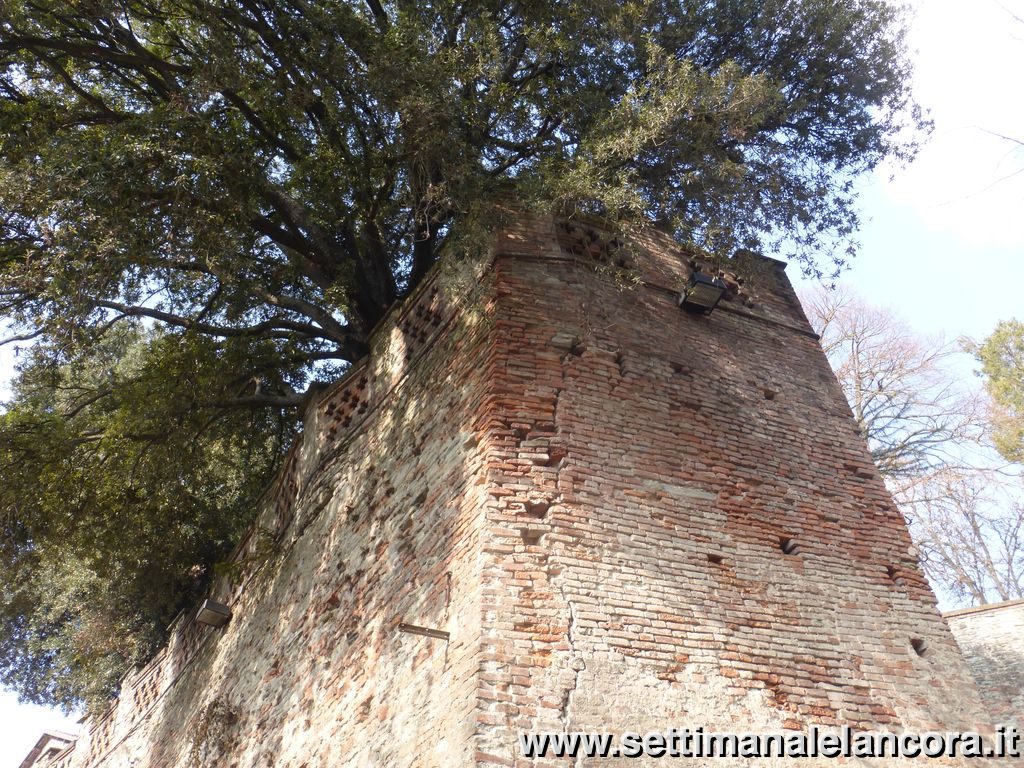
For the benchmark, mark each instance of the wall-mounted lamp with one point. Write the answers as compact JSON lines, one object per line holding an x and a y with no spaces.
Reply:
{"x":213,"y":614}
{"x":702,"y":294}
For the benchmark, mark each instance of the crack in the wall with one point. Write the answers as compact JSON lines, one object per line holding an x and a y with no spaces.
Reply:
{"x":447,"y":611}
{"x":577,"y":663}
{"x":578,"y":667}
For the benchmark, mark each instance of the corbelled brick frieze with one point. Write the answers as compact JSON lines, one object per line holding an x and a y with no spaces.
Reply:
{"x":548,"y":500}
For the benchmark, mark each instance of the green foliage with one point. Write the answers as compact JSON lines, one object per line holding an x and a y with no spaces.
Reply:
{"x":1002,"y":363}
{"x":263,"y":179}
{"x":122,"y":483}
{"x":289,"y":169}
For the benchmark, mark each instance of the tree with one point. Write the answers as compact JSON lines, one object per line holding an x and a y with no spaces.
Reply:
{"x":969,"y":526}
{"x":905,"y":403}
{"x":107,"y":521}
{"x":1002,"y":364}
{"x":286,"y":170}
{"x":261,"y":180}
{"x":965,"y":515}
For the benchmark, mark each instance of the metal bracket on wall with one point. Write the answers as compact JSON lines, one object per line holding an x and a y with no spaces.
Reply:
{"x":412,"y":629}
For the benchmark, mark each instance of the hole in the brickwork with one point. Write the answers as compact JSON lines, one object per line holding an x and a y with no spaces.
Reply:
{"x":789,"y":546}
{"x":537,"y":508}
{"x":894,"y":575}
{"x":859,"y":470}
{"x":715,"y":559}
{"x":620,"y":360}
{"x":555,"y":456}
{"x":919,"y":645}
{"x":531,"y":538}
{"x":770,"y":394}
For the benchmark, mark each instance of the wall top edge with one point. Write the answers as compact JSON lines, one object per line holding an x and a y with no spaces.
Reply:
{"x":988,"y":607}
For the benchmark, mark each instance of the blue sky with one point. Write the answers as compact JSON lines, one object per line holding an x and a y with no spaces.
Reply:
{"x":942,"y":242}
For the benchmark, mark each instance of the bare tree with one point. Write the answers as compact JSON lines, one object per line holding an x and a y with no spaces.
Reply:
{"x":926,"y":435}
{"x":907,"y":406}
{"x":971,"y":534}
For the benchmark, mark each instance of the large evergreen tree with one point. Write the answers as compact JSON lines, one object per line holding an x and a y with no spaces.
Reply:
{"x":122,"y":484}
{"x":257,"y":181}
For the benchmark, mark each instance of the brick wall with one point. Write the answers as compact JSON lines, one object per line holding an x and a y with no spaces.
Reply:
{"x":626,"y":517}
{"x":992,"y":640}
{"x":374,"y":522}
{"x":649,"y":468}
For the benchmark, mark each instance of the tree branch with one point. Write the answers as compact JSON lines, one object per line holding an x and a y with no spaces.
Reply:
{"x":277,"y":327}
{"x":379,"y":14}
{"x":274,"y":401}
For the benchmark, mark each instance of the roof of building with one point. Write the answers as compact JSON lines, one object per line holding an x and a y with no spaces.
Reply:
{"x":46,"y":741}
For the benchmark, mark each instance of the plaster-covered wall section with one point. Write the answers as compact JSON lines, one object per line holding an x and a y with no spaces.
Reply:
{"x":992,"y":640}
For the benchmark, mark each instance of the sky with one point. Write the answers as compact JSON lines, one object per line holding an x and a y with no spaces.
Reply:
{"x":942,"y":241}
{"x":21,"y":725}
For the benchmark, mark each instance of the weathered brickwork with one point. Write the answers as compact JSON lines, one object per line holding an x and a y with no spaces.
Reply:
{"x":992,"y":640}
{"x":649,"y":470}
{"x":375,"y":521}
{"x":626,"y":516}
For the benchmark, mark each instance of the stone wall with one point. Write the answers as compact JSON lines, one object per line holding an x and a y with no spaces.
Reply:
{"x":624,"y":516}
{"x":992,"y":640}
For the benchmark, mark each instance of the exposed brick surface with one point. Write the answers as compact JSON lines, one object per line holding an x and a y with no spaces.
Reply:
{"x":639,"y":579}
{"x":992,"y":640}
{"x":627,"y":517}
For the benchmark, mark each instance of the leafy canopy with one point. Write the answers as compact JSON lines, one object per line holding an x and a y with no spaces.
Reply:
{"x":287,"y":169}
{"x":119,"y":492}
{"x":257,"y":181}
{"x":1002,"y":363}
